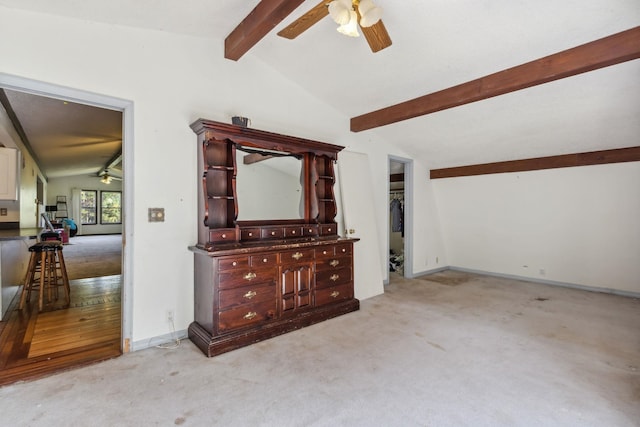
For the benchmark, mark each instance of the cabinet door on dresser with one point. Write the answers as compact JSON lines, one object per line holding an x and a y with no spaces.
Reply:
{"x":296,"y":281}
{"x":246,"y":291}
{"x":334,"y":273}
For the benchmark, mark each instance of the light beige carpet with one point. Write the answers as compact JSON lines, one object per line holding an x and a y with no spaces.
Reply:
{"x":93,"y":256}
{"x":486,"y":352}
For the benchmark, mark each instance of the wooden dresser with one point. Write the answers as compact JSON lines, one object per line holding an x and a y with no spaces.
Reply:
{"x":255,"y":279}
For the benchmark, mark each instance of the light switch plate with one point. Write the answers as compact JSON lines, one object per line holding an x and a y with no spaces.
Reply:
{"x":156,"y":214}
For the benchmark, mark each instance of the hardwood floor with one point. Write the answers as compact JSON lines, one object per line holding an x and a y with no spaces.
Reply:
{"x":35,"y":344}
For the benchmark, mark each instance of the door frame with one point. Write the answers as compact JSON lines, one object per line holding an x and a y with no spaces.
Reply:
{"x":79,"y":96}
{"x":408,"y":215}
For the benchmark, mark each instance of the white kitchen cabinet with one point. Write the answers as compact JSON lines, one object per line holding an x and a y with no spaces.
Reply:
{"x":9,"y":178}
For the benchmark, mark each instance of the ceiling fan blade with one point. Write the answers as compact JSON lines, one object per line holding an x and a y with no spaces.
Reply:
{"x":305,"y":22}
{"x":377,"y":36}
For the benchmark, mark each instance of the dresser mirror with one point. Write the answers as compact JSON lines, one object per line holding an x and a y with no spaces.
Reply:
{"x":269,"y":185}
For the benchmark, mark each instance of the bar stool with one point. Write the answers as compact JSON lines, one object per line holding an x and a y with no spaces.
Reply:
{"x":46,"y":271}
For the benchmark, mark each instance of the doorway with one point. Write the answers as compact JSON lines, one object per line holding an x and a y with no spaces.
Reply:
{"x":66,"y":358}
{"x":399,"y":218}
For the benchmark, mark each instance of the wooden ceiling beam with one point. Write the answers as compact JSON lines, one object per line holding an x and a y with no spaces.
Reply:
{"x":262,"y":19}
{"x":603,"y":157}
{"x":611,"y":50}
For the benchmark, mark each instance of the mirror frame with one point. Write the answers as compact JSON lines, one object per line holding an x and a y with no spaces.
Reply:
{"x":218,"y":205}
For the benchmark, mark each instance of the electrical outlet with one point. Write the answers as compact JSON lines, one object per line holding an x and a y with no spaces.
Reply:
{"x":3,"y":212}
{"x":169,"y":315}
{"x":542,"y":272}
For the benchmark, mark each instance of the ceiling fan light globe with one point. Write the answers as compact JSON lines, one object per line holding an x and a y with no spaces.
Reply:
{"x":340,"y":12}
{"x":351,"y":28}
{"x":369,"y":13}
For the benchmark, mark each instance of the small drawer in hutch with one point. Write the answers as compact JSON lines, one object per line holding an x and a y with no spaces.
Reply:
{"x":293,"y":231}
{"x":310,"y":230}
{"x":222,"y":235}
{"x":250,"y":233}
{"x":334,"y":294}
{"x":272,"y":233}
{"x":328,"y":229}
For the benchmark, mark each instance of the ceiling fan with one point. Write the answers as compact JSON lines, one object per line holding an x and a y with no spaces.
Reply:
{"x":349,"y":14}
{"x":105,"y":178}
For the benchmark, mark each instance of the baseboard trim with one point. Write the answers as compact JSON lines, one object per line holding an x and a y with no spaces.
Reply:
{"x":549,"y":282}
{"x":427,"y":272}
{"x":159,"y":340}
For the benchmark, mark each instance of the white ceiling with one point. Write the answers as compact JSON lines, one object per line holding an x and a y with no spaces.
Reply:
{"x":436,"y":44}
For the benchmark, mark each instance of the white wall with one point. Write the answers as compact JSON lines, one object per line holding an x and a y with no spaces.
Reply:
{"x":576,"y":225}
{"x":172,"y":80}
{"x":63,"y":187}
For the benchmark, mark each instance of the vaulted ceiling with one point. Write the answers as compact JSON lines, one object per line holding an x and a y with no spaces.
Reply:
{"x":436,"y":44}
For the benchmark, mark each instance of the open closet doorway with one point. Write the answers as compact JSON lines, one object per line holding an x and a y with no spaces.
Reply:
{"x":400,"y":224}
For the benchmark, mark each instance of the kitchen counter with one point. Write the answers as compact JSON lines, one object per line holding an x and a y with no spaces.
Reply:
{"x":20,"y":234}
{"x":14,"y":258}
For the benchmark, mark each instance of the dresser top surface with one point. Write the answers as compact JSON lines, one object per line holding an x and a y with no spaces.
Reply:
{"x":247,"y":248}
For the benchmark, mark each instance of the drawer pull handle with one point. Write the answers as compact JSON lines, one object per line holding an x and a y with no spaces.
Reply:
{"x":250,"y":294}
{"x":224,"y":236}
{"x":234,"y":263}
{"x":265,"y":260}
{"x":250,"y":315}
{"x":334,"y":262}
{"x":334,"y":277}
{"x":250,"y":276}
{"x":293,"y":232}
{"x":250,"y":234}
{"x":297,"y":256}
{"x":273,"y":233}
{"x":335,"y":294}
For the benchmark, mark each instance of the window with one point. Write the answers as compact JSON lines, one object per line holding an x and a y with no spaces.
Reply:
{"x":88,"y":207}
{"x":111,"y":207}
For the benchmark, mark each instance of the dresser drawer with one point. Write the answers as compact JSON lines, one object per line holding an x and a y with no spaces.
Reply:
{"x":246,"y":295}
{"x":334,"y":250}
{"x":332,"y":263}
{"x":265,"y":260}
{"x":333,"y":277}
{"x":246,"y":277}
{"x":334,"y":294}
{"x":245,"y":315}
{"x":301,"y":255}
{"x":225,"y":264}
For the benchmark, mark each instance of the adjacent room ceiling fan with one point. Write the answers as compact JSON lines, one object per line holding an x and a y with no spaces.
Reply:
{"x":348,"y":14}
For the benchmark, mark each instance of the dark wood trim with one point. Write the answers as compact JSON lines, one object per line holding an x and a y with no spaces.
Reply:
{"x":611,"y":50}
{"x":619,"y":155}
{"x":262,"y":19}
